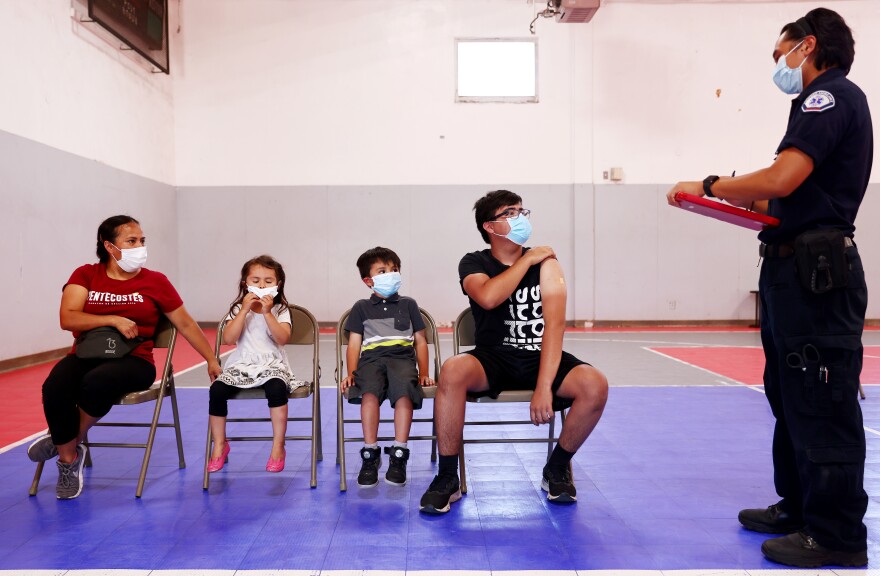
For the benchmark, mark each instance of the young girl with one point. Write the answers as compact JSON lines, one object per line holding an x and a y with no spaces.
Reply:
{"x":258,"y":323}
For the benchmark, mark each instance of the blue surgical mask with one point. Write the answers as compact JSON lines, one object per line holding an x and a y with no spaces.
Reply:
{"x":789,"y":80}
{"x":520,"y":230}
{"x":386,"y":284}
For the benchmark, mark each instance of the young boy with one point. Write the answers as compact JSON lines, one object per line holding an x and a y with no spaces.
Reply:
{"x":386,"y":341}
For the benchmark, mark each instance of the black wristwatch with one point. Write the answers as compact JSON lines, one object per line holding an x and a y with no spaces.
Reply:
{"x":707,"y":185}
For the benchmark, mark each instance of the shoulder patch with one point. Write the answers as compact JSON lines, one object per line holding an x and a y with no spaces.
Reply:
{"x":818,"y":102}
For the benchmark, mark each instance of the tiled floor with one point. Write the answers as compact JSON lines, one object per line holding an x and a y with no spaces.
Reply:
{"x":659,"y":485}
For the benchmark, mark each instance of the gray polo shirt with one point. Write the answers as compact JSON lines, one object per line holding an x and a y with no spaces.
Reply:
{"x":387,"y":326}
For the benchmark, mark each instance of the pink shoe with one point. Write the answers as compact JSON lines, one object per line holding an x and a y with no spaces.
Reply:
{"x":274,"y":465}
{"x":216,"y":464}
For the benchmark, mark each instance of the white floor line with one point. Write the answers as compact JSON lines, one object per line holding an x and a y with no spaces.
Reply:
{"x":697,"y":367}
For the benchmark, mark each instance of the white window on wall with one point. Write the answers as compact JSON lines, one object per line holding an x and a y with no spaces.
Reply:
{"x":496,"y":70}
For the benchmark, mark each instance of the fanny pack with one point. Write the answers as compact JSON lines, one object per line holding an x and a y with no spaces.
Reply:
{"x":821,"y":261}
{"x":105,"y":343}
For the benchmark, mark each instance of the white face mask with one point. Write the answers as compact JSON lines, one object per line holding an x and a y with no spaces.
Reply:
{"x":133,"y":259}
{"x":260,"y":292}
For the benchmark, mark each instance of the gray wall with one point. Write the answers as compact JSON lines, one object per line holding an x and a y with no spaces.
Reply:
{"x":626,"y":254}
{"x":52,"y":203}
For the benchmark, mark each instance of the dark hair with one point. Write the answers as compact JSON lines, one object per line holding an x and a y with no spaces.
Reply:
{"x":487,"y":207}
{"x":108,"y":230}
{"x":373,"y":255}
{"x":834,"y":40}
{"x":265,"y":261}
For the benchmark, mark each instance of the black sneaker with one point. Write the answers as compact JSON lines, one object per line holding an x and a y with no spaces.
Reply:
{"x":371,"y":462}
{"x":558,"y":485}
{"x":799,"y":549}
{"x":396,"y":473}
{"x":443,"y":491}
{"x":770,"y":520}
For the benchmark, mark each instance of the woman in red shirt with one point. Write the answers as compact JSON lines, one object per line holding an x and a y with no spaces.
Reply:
{"x":117,"y":292}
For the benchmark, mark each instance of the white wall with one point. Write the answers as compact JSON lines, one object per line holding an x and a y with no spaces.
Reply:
{"x":359,"y":93}
{"x":84,"y":134}
{"x":64,"y":87}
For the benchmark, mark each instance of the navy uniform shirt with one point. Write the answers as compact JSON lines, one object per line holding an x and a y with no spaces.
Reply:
{"x":829,"y":122}
{"x":387,"y":325}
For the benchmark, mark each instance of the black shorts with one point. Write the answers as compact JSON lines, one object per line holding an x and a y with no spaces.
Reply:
{"x":509,"y":368}
{"x":391,"y":378}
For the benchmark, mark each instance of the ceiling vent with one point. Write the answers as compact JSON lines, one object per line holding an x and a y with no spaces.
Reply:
{"x":576,"y":11}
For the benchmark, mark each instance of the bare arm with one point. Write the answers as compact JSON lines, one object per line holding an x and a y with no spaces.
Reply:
{"x":490,"y":293}
{"x":234,"y":327}
{"x":280,"y":331}
{"x":73,"y":319}
{"x":194,"y":335}
{"x":553,"y":296}
{"x":352,"y":355}
{"x":778,"y":180}
{"x":421,"y":345}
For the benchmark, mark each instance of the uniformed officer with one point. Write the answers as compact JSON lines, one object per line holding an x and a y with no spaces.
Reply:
{"x":813,"y":297}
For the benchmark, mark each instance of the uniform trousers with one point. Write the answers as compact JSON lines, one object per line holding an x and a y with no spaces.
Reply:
{"x":813,"y":350}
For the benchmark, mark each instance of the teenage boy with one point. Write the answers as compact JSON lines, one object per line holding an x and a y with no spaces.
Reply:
{"x":517,"y":296}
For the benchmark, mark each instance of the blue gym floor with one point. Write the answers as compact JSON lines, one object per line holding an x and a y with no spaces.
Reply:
{"x":678,"y":452}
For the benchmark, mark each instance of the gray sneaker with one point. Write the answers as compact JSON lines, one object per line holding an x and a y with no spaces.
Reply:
{"x":42,"y":449}
{"x":70,"y":481}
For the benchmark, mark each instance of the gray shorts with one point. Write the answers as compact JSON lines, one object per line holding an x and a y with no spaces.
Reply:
{"x":390,"y":378}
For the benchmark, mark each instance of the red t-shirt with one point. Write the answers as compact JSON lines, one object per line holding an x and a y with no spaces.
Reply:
{"x":140,"y":299}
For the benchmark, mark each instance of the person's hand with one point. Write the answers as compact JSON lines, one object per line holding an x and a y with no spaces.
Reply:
{"x":538,"y":254}
{"x":347,"y":382}
{"x":541,"y":407}
{"x":126,"y":327}
{"x":425,"y":381}
{"x":693,"y":188}
{"x":214,"y":369}
{"x":250,"y":302}
{"x":267,"y":302}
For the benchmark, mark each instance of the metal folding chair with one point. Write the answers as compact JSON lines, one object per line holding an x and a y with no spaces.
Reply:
{"x":304,"y":332}
{"x":164,"y":337}
{"x":463,"y":334}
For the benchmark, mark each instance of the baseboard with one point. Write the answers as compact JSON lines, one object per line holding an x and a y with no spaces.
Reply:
{"x":31,"y":359}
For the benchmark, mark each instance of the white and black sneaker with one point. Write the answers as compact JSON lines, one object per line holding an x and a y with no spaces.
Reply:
{"x":443,"y":491}
{"x":558,"y":485}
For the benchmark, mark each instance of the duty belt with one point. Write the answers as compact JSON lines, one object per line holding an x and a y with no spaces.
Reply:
{"x":786,"y":249}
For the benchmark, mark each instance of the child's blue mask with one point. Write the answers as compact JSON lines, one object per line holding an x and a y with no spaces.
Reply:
{"x":386,"y":284}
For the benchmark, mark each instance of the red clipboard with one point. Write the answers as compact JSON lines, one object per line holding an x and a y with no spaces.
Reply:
{"x":725,"y":212}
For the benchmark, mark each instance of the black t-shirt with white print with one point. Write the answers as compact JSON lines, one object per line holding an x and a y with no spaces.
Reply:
{"x":519,"y":321}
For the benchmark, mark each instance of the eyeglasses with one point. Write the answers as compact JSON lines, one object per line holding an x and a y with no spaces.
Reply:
{"x":511,"y":213}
